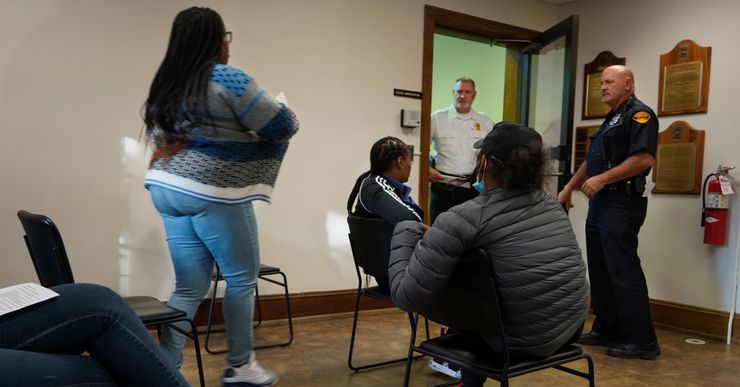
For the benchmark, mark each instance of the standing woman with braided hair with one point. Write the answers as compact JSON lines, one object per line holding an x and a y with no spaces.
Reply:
{"x":218,"y":144}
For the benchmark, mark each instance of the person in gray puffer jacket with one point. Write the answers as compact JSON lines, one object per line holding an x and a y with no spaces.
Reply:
{"x":540,"y":274}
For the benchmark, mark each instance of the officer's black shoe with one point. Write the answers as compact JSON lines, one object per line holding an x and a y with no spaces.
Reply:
{"x":595,"y":338}
{"x":648,"y":351}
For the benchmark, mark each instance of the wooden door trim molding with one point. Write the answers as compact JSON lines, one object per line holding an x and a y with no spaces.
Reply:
{"x":435,"y":18}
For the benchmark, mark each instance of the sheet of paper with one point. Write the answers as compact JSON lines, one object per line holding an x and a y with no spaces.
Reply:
{"x":282,"y":98}
{"x":648,"y":188}
{"x":20,"y":296}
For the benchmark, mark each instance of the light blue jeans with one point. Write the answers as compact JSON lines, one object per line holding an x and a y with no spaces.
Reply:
{"x":199,"y":232}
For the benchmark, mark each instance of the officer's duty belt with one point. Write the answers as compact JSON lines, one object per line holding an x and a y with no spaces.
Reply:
{"x":633,"y":186}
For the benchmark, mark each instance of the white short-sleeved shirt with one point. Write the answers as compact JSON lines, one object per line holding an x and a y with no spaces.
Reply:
{"x":452,"y":137}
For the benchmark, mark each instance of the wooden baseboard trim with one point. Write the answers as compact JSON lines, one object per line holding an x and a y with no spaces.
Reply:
{"x":301,"y":305}
{"x":693,"y":318}
{"x":664,"y":313}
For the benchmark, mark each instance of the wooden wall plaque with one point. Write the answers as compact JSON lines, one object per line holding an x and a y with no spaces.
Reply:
{"x":593,"y":106}
{"x":581,"y":144}
{"x":679,"y":160}
{"x":684,"y":79}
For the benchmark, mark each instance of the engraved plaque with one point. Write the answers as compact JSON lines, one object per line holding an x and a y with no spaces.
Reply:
{"x":684,"y":79}
{"x":679,"y":160}
{"x":675,"y":171}
{"x":593,"y":106}
{"x":682,"y":86}
{"x":581,"y":144}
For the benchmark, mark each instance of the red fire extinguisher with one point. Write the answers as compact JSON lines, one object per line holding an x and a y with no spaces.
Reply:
{"x":715,"y":208}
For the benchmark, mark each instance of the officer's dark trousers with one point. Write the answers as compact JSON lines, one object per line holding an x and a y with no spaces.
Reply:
{"x":619,"y":294}
{"x":445,"y":196}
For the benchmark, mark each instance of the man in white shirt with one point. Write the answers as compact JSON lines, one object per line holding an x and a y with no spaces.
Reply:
{"x":454,"y":130}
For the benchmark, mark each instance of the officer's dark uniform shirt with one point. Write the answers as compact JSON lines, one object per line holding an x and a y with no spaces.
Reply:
{"x":629,"y":128}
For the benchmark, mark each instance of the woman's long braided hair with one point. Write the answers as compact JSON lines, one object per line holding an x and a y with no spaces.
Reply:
{"x":181,"y":83}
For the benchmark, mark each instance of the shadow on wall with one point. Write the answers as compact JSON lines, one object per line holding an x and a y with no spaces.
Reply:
{"x":72,"y":80}
{"x":329,"y":235}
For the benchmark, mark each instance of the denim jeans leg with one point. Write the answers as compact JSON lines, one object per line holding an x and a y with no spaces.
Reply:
{"x":230,"y":232}
{"x":84,"y":318}
{"x":198,"y":232}
{"x":191,"y":259}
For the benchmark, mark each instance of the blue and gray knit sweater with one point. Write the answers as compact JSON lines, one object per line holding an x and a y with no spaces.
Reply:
{"x":234,"y":154}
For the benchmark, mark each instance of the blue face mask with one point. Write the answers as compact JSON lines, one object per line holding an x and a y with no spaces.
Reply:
{"x":479,"y":186}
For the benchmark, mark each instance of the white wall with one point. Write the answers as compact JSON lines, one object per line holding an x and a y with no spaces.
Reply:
{"x":74,"y":75}
{"x":678,"y":266}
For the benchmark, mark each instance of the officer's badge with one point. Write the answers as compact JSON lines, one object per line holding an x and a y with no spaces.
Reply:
{"x":641,"y":117}
{"x":615,"y":119}
{"x":477,"y":127}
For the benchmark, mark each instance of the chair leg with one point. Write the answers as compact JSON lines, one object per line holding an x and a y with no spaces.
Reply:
{"x":426,"y":326}
{"x":193,"y":335}
{"x":354,"y":331}
{"x":258,"y":311}
{"x":591,"y":374}
{"x":198,"y":359}
{"x":588,"y":376}
{"x":413,"y":320}
{"x":257,"y":306}
{"x":209,"y":330}
{"x":284,"y":284}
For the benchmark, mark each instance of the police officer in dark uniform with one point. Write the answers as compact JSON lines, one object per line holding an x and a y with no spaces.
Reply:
{"x":613,"y":177}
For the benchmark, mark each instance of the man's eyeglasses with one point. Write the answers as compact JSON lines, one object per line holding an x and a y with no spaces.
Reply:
{"x":227,"y":36}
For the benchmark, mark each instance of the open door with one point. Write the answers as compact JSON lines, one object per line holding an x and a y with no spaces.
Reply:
{"x":548,"y":96}
{"x":539,"y":88}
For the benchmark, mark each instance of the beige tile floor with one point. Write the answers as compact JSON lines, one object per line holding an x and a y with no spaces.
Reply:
{"x":318,"y":357}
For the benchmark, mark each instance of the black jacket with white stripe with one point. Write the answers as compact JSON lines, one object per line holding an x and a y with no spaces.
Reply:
{"x":379,"y":198}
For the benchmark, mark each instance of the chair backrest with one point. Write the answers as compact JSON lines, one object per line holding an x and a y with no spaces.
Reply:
{"x":469,"y":301}
{"x":46,"y":248}
{"x":370,"y":240}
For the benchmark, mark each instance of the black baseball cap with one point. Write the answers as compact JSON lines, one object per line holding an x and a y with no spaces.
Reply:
{"x":504,"y":138}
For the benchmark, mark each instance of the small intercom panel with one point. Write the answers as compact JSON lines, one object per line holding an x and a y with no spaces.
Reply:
{"x":410,"y":118}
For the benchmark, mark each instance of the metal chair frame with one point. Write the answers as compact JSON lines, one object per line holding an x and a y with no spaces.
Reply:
{"x":381,"y":241}
{"x":264,"y":272}
{"x":498,"y":366}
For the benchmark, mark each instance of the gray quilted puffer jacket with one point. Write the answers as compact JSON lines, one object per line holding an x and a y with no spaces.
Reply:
{"x":540,"y":274}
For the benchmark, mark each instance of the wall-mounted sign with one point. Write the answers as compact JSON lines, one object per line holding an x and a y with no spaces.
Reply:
{"x":679,"y":160}
{"x":407,"y":93}
{"x":684,"y":79}
{"x":593,"y":106}
{"x":581,"y":144}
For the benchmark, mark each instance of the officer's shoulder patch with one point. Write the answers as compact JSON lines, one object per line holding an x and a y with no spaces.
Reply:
{"x":641,"y":117}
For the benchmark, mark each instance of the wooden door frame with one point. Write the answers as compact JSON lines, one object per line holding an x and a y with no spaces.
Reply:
{"x":437,"y":18}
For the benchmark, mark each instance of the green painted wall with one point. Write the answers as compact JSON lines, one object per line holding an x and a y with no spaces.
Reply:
{"x":454,"y":58}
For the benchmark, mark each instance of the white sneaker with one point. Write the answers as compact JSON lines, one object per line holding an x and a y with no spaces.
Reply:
{"x":444,"y":368}
{"x":250,"y":374}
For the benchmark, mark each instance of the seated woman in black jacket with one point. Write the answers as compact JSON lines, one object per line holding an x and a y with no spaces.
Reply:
{"x":382,"y":192}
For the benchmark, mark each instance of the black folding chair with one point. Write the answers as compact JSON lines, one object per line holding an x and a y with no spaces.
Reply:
{"x":52,"y":266}
{"x":370,"y":241}
{"x":264,"y":274}
{"x":469,"y":302}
